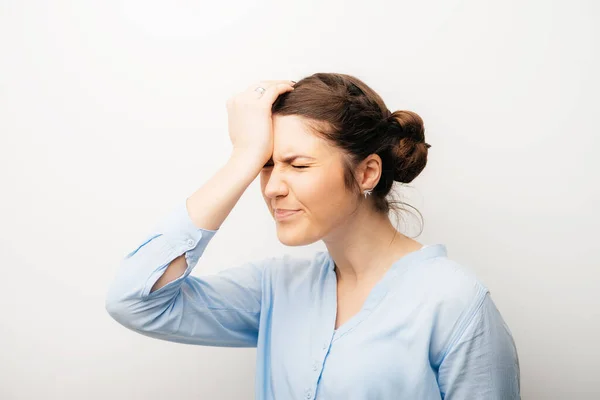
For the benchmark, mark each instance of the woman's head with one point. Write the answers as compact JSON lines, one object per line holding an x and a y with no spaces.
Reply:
{"x":355,"y":143}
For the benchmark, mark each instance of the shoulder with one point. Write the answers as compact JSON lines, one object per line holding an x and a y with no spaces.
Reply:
{"x":438,"y":285}
{"x":443,"y":279}
{"x":452,"y":295}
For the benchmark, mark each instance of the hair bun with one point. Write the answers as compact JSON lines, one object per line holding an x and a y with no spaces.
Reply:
{"x":409,"y":124}
{"x":411,"y":151}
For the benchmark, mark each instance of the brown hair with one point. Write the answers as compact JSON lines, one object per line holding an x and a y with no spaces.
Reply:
{"x":350,"y":115}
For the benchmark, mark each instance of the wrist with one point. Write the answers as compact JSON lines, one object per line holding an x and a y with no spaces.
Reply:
{"x":246,"y":161}
{"x":249,"y":158}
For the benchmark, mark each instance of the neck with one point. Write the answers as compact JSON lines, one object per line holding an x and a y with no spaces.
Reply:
{"x":365,"y":246}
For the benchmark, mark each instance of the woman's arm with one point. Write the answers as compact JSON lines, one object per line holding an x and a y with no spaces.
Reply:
{"x":153,"y":292}
{"x":251,"y":133}
{"x":210,"y":205}
{"x":483,"y":362}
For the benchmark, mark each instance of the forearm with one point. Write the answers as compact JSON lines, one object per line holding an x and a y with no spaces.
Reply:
{"x":210,"y":205}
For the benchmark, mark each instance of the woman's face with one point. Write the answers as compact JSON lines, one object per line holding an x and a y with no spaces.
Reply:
{"x":313,"y":183}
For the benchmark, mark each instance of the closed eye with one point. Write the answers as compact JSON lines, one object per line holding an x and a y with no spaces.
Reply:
{"x":294,"y":166}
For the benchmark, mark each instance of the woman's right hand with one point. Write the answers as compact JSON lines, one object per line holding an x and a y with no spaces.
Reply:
{"x":250,"y":119}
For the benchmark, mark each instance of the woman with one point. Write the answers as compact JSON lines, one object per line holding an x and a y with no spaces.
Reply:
{"x":376,"y":316}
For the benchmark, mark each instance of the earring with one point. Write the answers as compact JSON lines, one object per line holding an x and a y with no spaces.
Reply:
{"x":368,"y":192}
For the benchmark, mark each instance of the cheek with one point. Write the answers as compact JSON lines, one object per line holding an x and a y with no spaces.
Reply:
{"x":325,"y":193}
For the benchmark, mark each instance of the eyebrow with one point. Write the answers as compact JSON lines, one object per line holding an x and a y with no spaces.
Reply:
{"x":291,"y":158}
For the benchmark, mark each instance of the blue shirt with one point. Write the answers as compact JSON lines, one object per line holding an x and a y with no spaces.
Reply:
{"x":428,"y":329}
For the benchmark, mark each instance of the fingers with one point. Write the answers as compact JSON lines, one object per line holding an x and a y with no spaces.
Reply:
{"x":268,"y":83}
{"x":273,"y":88}
{"x":273,"y":91}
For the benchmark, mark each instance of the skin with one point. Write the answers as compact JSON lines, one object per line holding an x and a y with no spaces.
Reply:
{"x":358,"y":238}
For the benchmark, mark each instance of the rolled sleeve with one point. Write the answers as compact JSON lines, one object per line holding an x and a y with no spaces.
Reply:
{"x":221,"y":309}
{"x":172,"y":236}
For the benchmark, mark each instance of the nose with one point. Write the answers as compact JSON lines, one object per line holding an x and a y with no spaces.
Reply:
{"x":276,"y":185}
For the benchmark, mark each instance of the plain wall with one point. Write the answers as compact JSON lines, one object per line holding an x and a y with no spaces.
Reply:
{"x":113,"y":112}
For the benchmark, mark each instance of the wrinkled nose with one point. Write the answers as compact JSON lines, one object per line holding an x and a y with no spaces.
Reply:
{"x":275,"y":186}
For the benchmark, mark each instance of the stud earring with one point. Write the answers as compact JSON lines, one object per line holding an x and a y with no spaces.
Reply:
{"x":368,"y":192}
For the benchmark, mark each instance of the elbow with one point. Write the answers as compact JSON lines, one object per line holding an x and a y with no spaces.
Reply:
{"x":132,"y":311}
{"x":118,"y":306}
{"x":115,"y":307}
{"x":122,"y":312}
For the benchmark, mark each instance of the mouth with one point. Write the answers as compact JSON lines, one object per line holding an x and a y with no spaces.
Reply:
{"x":281,"y":215}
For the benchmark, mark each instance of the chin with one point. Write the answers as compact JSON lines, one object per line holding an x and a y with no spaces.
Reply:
{"x":293,"y":238}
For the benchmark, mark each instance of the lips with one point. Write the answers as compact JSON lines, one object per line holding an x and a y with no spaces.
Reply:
{"x":280,"y":214}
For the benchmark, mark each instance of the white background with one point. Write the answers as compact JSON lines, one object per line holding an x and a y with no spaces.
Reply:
{"x":112,"y":112}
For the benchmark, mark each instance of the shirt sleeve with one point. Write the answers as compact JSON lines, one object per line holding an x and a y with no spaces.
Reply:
{"x":221,"y":309}
{"x":483,"y":362}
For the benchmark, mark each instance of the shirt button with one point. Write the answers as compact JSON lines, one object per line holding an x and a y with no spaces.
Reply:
{"x":308,"y":393}
{"x":315,"y":366}
{"x":190,"y":243}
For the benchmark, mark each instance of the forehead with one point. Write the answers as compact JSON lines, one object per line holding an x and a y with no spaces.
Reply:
{"x":292,"y":135}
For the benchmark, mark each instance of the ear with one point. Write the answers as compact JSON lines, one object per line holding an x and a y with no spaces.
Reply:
{"x":369,"y":172}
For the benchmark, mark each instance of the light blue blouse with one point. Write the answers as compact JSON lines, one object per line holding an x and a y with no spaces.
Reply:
{"x":428,"y":329}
